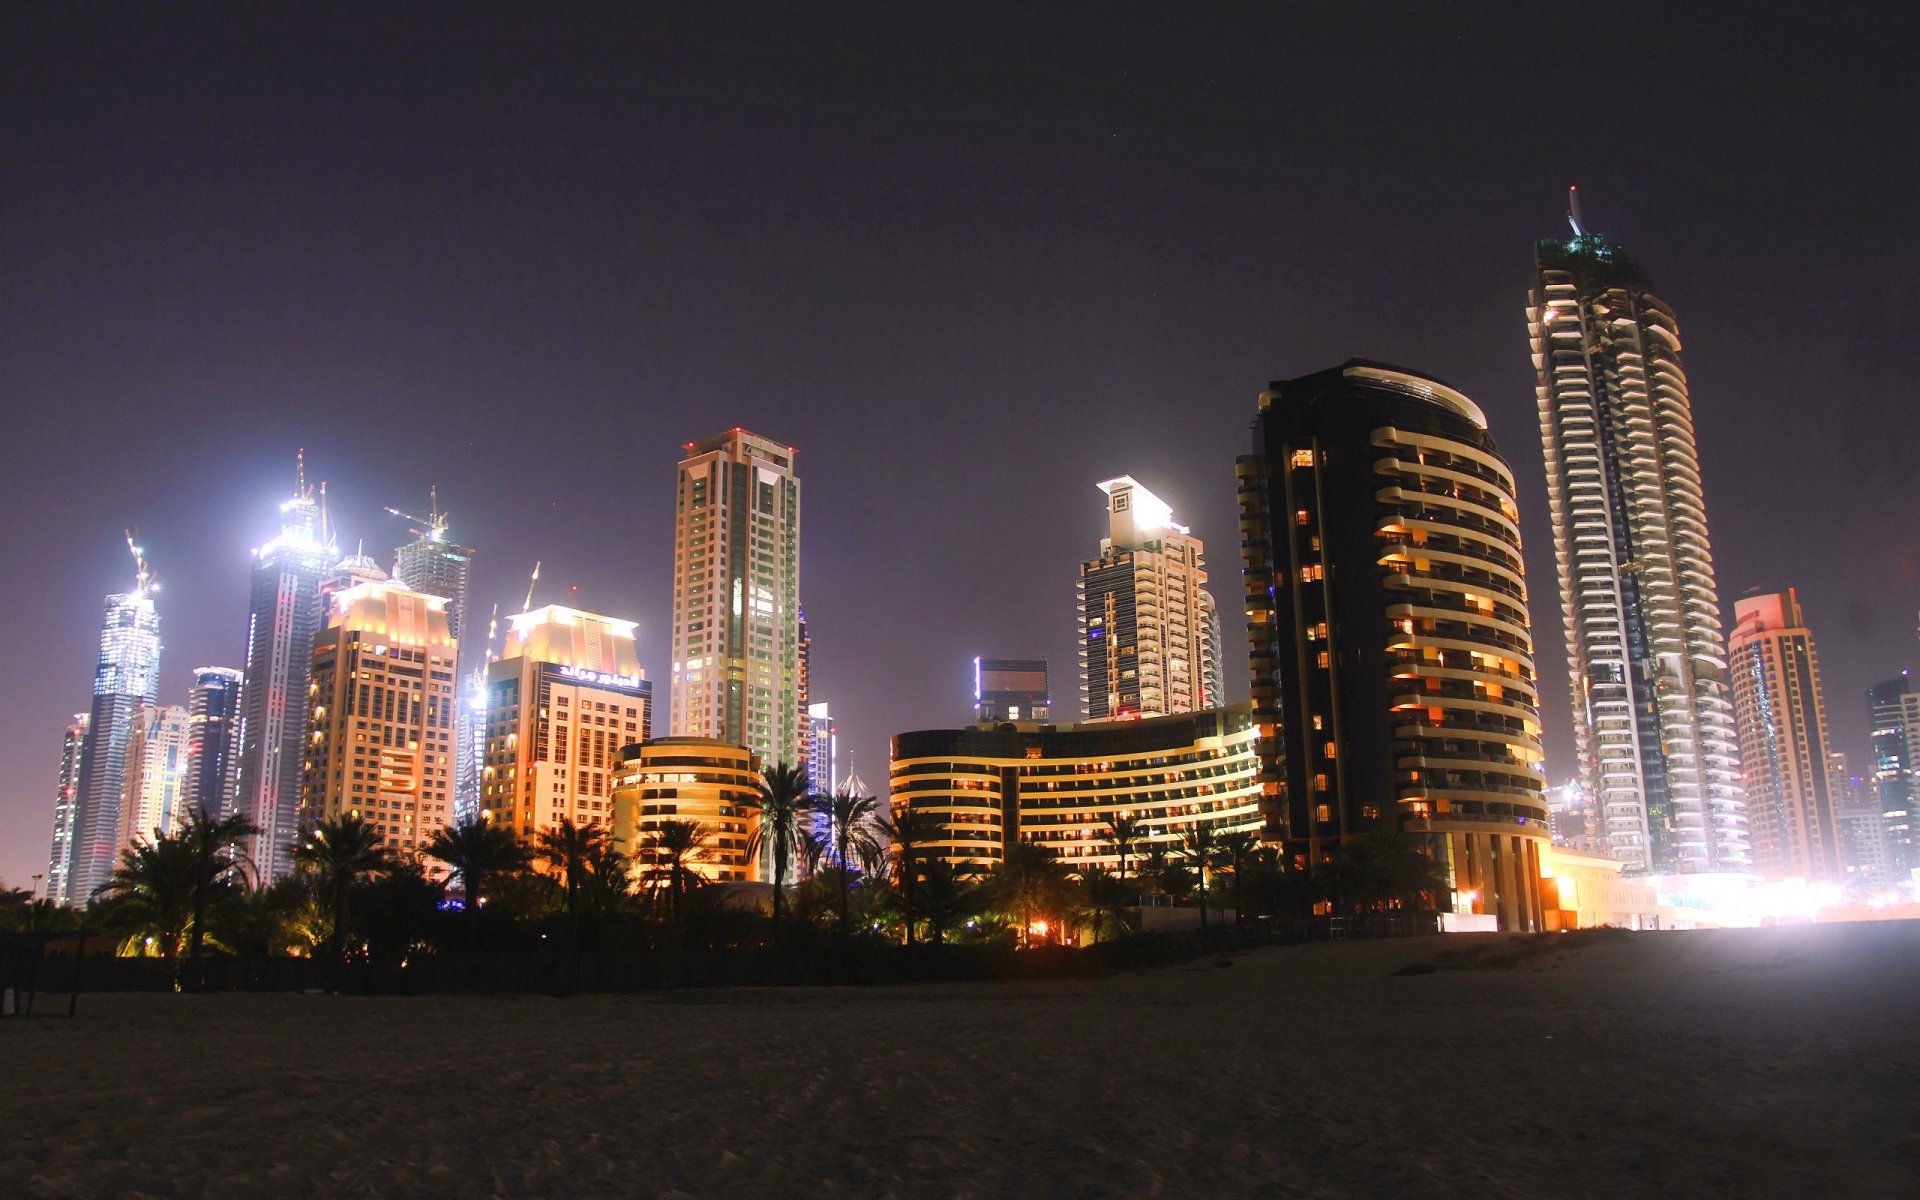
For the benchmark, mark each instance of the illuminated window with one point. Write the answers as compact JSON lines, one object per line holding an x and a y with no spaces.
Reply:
{"x":1302,"y":517}
{"x":1303,"y":458}
{"x":1332,"y":751}
{"x":1312,"y":573}
{"x":1325,"y":660}
{"x":1323,"y":814}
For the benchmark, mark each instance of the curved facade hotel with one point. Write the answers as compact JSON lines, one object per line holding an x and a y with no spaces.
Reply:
{"x":1393,"y":679}
{"x":1060,"y":785}
{"x":688,"y":779}
{"x":1652,"y":706}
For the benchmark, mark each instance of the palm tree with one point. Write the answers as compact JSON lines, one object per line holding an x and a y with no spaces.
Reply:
{"x":947,"y":895}
{"x":781,"y":803}
{"x":150,"y":894}
{"x":1104,"y":897}
{"x":1028,"y":883}
{"x":219,"y":862}
{"x":476,"y":850}
{"x":341,"y":853}
{"x":609,"y":876}
{"x":672,"y":848}
{"x":1237,"y":849}
{"x":1200,"y":847}
{"x":909,"y":832}
{"x":1123,"y":832}
{"x":569,"y":849}
{"x":849,"y":818}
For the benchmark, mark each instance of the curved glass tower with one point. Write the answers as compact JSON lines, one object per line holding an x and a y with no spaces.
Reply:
{"x":1652,"y":705}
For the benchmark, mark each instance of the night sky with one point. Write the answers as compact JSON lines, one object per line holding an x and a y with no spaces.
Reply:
{"x":969,"y":259}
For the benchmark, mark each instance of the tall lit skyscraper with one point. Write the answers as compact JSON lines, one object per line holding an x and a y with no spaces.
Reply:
{"x":213,"y":740}
{"x":1895,"y":709}
{"x":566,"y":695}
{"x":153,"y":794}
{"x":284,"y":614}
{"x":61,"y":857}
{"x":380,"y":724}
{"x":823,"y":750}
{"x":125,"y":678}
{"x":435,"y":564}
{"x":1011,"y":689}
{"x":1782,"y":721}
{"x":1652,"y":702}
{"x":1144,"y":628}
{"x":1392,"y":655}
{"x":736,"y":596}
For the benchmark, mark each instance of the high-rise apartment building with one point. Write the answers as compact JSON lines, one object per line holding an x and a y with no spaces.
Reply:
{"x":1392,"y":655}
{"x":1858,"y":828}
{"x":1781,"y":718}
{"x":126,"y":677}
{"x":380,"y":742}
{"x":1011,"y":689}
{"x":803,"y":693}
{"x":213,"y":740}
{"x":1652,"y":702}
{"x":1894,"y":707}
{"x":565,"y":696}
{"x":435,"y":564}
{"x":60,"y":859}
{"x":1144,"y":628}
{"x":284,"y":614}
{"x":736,"y":596}
{"x":153,"y":795}
{"x":823,"y":750}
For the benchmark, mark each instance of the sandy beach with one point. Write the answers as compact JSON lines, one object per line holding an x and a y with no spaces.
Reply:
{"x":1739,"y":1062}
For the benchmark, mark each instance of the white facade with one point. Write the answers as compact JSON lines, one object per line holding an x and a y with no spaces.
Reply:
{"x":154,"y":795}
{"x":1652,"y":705}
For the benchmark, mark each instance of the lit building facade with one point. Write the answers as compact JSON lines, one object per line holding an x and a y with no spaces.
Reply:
{"x":823,"y":750}
{"x":1011,"y":689}
{"x":1652,"y":702}
{"x":434,"y":564}
{"x":60,"y":858}
{"x":284,"y":614}
{"x":1144,"y":628}
{"x":213,"y":740}
{"x":1387,"y":614}
{"x":736,"y":596}
{"x":125,"y":679}
{"x":1858,"y":827}
{"x":992,"y":784}
{"x":1780,"y":715}
{"x":153,"y":795}
{"x":1895,"y":710}
{"x":380,"y":745}
{"x":564,"y":698}
{"x":701,"y":780}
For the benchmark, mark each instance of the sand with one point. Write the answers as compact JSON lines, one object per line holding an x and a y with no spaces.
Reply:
{"x":1740,"y":1062}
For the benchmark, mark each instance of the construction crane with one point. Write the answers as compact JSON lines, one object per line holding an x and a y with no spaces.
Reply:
{"x":434,"y":524}
{"x":142,"y":574}
{"x":528,"y":606}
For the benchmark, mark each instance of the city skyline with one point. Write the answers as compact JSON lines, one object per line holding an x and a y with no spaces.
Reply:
{"x":1031,"y":276}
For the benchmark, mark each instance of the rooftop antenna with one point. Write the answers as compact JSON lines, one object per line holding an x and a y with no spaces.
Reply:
{"x":326,"y":532}
{"x":573,"y":596}
{"x":142,"y":574}
{"x":528,"y":606}
{"x":1573,"y":211}
{"x":300,"y":473}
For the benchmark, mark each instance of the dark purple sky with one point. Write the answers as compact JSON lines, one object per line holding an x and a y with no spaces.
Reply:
{"x":968,"y":259}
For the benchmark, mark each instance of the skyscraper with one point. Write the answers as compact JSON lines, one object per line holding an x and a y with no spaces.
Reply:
{"x":823,"y":750}
{"x":1858,"y":827}
{"x":213,"y":740}
{"x":1144,"y":629}
{"x":1895,"y":710}
{"x":736,"y":596}
{"x":438,"y":566}
{"x":380,"y":743}
{"x":566,"y":695}
{"x":61,"y":856}
{"x":125,"y":678}
{"x":1011,"y":689}
{"x":1782,"y":721}
{"x":153,"y":794}
{"x":1392,"y":656}
{"x":1652,"y":703}
{"x":284,"y":613}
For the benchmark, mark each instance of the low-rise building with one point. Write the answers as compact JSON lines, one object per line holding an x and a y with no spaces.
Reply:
{"x":703,"y":780}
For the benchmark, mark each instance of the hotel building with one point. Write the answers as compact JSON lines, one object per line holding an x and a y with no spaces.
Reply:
{"x":1780,"y":715}
{"x":564,"y":697}
{"x":381,"y":738}
{"x":1652,"y":701}
{"x":154,"y":794}
{"x":701,"y":780}
{"x":1387,"y":611}
{"x":1148,"y":646}
{"x":995,"y":783}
